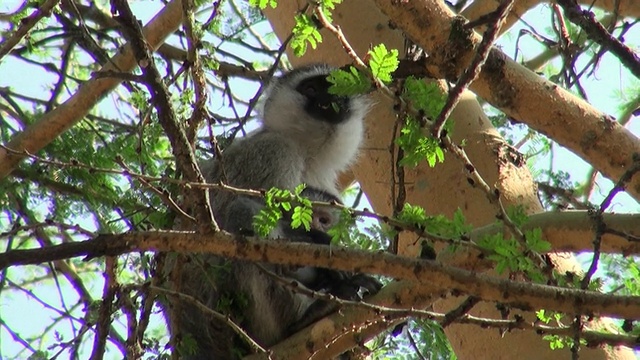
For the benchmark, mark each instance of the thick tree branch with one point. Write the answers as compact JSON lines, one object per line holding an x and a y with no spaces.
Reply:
{"x":566,"y":231}
{"x":477,"y":9}
{"x":518,"y":92}
{"x":518,"y":294}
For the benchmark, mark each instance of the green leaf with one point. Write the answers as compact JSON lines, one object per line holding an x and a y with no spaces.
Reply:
{"x":438,"y":225}
{"x":302,"y":216}
{"x":304,"y":33}
{"x":329,"y":4}
{"x":299,"y":189}
{"x":518,"y":215}
{"x":275,"y":201}
{"x":262,"y":4}
{"x":535,"y":241}
{"x":383,"y":62}
{"x":348,"y":83}
{"x":266,"y":220}
{"x":542,"y":316}
{"x":340,"y":232}
{"x":424,"y":96}
{"x":417,"y":147}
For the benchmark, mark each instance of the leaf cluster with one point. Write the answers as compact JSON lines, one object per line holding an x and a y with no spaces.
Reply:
{"x":438,"y":225}
{"x":305,"y":33}
{"x":416,"y":146}
{"x":281,"y":201}
{"x":510,"y":254}
{"x":427,"y":99}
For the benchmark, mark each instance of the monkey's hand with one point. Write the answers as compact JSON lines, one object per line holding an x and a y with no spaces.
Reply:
{"x":345,"y":286}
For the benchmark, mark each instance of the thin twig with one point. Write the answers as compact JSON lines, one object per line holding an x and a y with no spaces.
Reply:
{"x":25,"y":25}
{"x":472,"y":72}
{"x":598,"y":33}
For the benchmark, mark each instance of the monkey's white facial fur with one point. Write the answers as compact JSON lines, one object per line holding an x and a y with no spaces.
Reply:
{"x":328,"y":129}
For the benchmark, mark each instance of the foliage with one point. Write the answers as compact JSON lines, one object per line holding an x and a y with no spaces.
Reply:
{"x":437,"y":225}
{"x":424,"y":96}
{"x":262,"y":4}
{"x":428,"y":100}
{"x":418,"y":147}
{"x":279,"y":201}
{"x":383,"y":62}
{"x":348,"y":83}
{"x":512,"y":255}
{"x":305,"y":33}
{"x":327,"y":6}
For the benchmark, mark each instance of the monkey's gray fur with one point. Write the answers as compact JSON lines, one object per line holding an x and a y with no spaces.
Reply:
{"x":307,"y":136}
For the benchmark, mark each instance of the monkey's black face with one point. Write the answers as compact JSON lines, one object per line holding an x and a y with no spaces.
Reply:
{"x":319,"y":103}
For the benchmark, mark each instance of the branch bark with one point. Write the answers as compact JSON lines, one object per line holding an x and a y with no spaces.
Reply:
{"x":518,"y":294}
{"x":26,"y":25}
{"x":573,"y":123}
{"x":477,"y":9}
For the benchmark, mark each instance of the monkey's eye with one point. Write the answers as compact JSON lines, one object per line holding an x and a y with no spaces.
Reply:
{"x":325,"y":220}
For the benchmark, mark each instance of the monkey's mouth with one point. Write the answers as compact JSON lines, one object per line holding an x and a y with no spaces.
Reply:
{"x":332,"y":105}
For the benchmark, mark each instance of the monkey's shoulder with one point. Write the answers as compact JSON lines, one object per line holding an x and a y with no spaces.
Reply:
{"x":264,"y":160}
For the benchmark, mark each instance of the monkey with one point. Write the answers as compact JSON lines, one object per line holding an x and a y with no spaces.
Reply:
{"x":323,"y":218}
{"x":343,"y":285}
{"x":307,"y":136}
{"x":276,"y":320}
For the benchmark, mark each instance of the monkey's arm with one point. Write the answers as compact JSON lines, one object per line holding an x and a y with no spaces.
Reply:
{"x":239,"y":216}
{"x":346,"y":286}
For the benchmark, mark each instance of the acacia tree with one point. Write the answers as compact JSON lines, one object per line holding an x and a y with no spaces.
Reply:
{"x":111,"y":148}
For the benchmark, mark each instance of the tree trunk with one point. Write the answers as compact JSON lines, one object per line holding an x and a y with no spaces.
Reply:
{"x":444,"y":188}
